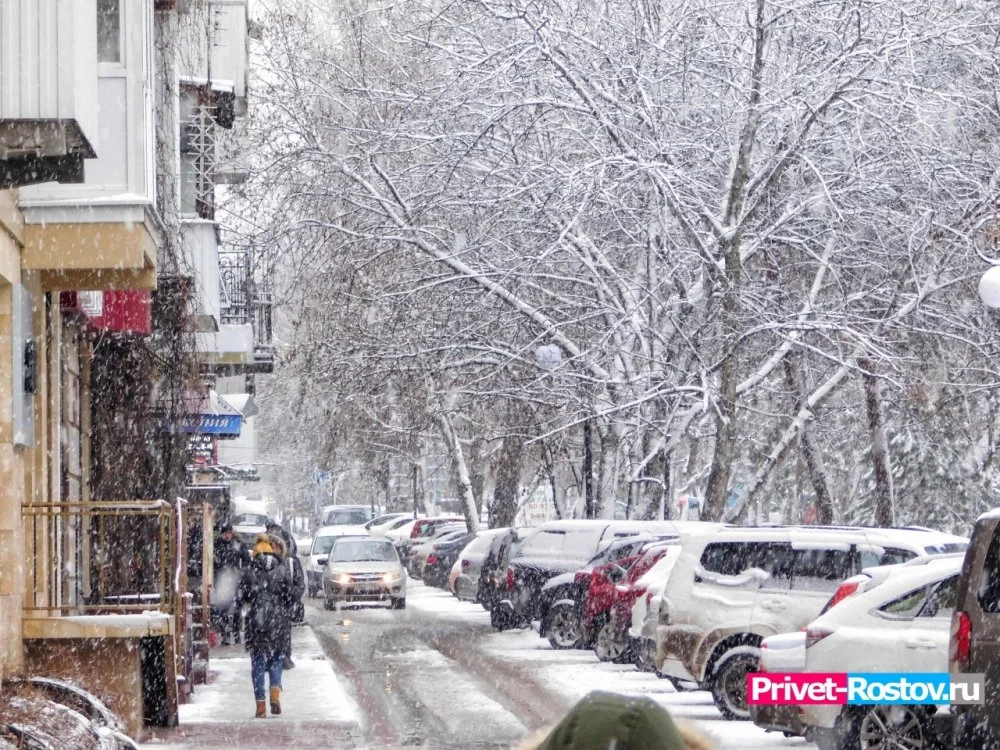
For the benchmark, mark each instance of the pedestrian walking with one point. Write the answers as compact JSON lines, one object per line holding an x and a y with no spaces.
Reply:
{"x":601,"y":720}
{"x":265,"y":588}
{"x":296,"y":608}
{"x":231,"y":559}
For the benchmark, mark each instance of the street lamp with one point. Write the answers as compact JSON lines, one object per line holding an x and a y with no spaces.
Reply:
{"x":548,"y":357}
{"x":989,"y":288}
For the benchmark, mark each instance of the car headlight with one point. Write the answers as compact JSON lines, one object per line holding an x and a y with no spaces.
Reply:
{"x":391,"y":577}
{"x":343,"y":579}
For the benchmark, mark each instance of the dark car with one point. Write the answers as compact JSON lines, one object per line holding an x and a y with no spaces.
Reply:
{"x":493,"y":571}
{"x":554,"y":548}
{"x":442,"y":556}
{"x":975,"y":634}
{"x":561,"y":597}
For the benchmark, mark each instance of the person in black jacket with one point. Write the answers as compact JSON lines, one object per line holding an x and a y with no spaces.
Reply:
{"x":295,"y":608}
{"x":266,"y":587}
{"x":231,"y":559}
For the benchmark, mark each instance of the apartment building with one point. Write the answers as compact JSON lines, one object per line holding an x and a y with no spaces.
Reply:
{"x":115,"y":318}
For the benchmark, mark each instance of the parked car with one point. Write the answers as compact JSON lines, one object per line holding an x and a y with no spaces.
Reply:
{"x":975,"y":634}
{"x":442,"y":557}
{"x":493,"y":574}
{"x":399,"y":530}
{"x":901,"y":625}
{"x":345,"y":515}
{"x":733,"y":587}
{"x":558,"y":547}
{"x":364,"y":570}
{"x":786,"y":652}
{"x":613,"y":642}
{"x":319,"y":552}
{"x":644,"y":617}
{"x":413,"y":552}
{"x":470,"y":563}
{"x":383,"y":523}
{"x":248,"y":525}
{"x":562,"y":598}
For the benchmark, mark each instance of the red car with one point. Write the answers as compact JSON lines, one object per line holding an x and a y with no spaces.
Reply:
{"x":601,"y":594}
{"x":611,"y":643}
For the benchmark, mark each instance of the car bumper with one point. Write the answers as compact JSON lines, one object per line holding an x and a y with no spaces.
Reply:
{"x":353,"y":592}
{"x":778,"y":718}
{"x":466,"y":589}
{"x":817,"y":715}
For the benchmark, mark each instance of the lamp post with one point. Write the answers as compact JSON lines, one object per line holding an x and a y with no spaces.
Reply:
{"x":989,"y":288}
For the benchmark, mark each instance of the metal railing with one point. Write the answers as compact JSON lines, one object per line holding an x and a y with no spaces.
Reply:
{"x":100,"y":557}
{"x":245,"y":299}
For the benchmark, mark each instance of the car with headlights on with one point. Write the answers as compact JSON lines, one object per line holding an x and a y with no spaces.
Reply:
{"x":319,"y":551}
{"x":364,"y":569}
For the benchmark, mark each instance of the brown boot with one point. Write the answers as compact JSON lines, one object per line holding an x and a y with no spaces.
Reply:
{"x":261,"y":710}
{"x":275,"y":700}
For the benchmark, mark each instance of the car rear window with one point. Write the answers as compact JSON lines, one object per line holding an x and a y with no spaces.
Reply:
{"x":571,"y":544}
{"x":946,"y":549}
{"x":820,"y":569}
{"x":345,"y":517}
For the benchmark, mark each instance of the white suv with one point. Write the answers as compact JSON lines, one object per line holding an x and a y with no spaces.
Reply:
{"x":734,"y":586}
{"x":901,"y":625}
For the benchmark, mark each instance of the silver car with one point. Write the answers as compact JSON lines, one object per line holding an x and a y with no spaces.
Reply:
{"x":364,"y":569}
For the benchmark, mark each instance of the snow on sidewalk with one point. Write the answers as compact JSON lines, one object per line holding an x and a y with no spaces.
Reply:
{"x":314,"y":704}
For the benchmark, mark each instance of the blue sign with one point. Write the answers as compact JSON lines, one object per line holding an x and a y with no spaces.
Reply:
{"x":223,"y":425}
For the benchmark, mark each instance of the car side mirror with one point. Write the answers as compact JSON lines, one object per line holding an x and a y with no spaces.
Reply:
{"x":617,"y":573}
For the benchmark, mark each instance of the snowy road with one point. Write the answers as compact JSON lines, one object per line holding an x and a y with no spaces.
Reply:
{"x":436,"y":675}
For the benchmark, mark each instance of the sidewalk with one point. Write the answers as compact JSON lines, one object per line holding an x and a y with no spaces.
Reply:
{"x":316,"y":710}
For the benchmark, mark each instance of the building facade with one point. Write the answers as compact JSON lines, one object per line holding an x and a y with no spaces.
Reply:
{"x":114,"y":322}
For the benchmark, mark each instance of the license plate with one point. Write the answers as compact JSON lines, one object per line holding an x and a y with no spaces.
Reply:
{"x":368,"y":587}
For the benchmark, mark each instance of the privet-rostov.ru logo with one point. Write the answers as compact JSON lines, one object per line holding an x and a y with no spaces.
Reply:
{"x":863,"y":688}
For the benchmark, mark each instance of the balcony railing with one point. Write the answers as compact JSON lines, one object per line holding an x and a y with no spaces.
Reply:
{"x":100,"y":558}
{"x":244,"y":298}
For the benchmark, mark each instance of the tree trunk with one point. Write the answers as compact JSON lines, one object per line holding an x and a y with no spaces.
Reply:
{"x":810,"y":451}
{"x":880,"y":446}
{"x":507,"y":493}
{"x":588,"y":470}
{"x":461,"y":470}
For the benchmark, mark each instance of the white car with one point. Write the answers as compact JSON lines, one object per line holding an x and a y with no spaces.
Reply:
{"x":645,"y":611}
{"x":364,"y":570}
{"x":734,"y":586}
{"x":401,"y":532}
{"x":385,"y":522}
{"x":315,"y":562}
{"x":385,"y":528}
{"x":901,"y":625}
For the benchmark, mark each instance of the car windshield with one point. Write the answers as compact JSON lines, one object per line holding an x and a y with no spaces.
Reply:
{"x":363,"y":551}
{"x":249,"y":519}
{"x":323,"y":544}
{"x":345,"y":517}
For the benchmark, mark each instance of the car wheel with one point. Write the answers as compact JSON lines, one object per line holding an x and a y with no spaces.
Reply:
{"x":904,"y":727}
{"x":398,"y":602}
{"x":565,"y":627}
{"x":729,"y":681}
{"x":502,"y":616}
{"x":607,"y":646}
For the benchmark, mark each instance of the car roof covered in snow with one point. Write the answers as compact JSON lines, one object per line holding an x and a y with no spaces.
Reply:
{"x":342,"y":530}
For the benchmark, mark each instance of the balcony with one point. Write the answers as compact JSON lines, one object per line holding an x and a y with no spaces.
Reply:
{"x":102,"y":233}
{"x":199,"y":244}
{"x":247,"y":301}
{"x":215,"y":53}
{"x":99,"y":558}
{"x":48,"y":72}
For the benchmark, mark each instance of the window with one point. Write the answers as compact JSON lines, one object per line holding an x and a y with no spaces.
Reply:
{"x":735,"y":558}
{"x":989,"y":584}
{"x":363,"y":551}
{"x":907,"y":605}
{"x":941,"y":602}
{"x":345,"y":518}
{"x":873,"y":556}
{"x":109,"y":31}
{"x":820,"y":569}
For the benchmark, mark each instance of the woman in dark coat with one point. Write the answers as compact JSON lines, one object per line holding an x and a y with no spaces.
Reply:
{"x":265,"y":588}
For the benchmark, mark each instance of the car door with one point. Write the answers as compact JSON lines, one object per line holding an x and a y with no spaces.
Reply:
{"x":801,"y":583}
{"x":923,"y":646}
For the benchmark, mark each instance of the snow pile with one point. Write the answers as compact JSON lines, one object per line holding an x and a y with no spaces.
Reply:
{"x":50,"y":712}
